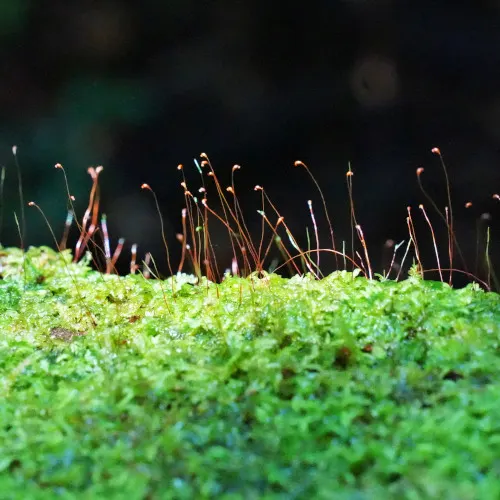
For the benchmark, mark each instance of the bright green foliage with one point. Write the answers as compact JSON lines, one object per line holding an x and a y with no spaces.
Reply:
{"x":254,"y":388}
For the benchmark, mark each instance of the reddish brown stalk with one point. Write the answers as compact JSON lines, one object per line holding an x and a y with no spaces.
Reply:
{"x":278,"y":238}
{"x":208,"y":253}
{"x":146,"y":272}
{"x":487,"y":257}
{"x":452,"y":238}
{"x":230,"y":231}
{"x":231,"y":189}
{"x":243,"y":229}
{"x":116,"y":255}
{"x":268,"y":248}
{"x":329,"y":250}
{"x":203,"y":216}
{"x":22,"y":225}
{"x":354,"y":223}
{"x":396,"y":247}
{"x":226,"y":207}
{"x":133,"y":258}
{"x":211,"y":254}
{"x":82,"y":241}
{"x":420,"y":171}
{"x":88,"y":235}
{"x":94,"y":204}
{"x":71,"y":210}
{"x":466,"y":273}
{"x":180,"y":168}
{"x":240,"y":217}
{"x":451,"y":232}
{"x":224,"y":203}
{"x":182,"y":238}
{"x":261,"y":212}
{"x":385,"y":252}
{"x":189,"y":197}
{"x":365,"y":249}
{"x":71,"y":198}
{"x":311,"y":212}
{"x":208,"y":271}
{"x":410,"y":241}
{"x":294,"y":243}
{"x":361,"y":263}
{"x":433,"y":240}
{"x":246,"y":261}
{"x":67,"y":226}
{"x":107,"y":249}
{"x":288,"y":232}
{"x":157,"y":277}
{"x":469,"y":205}
{"x":210,"y":274}
{"x":284,"y":253}
{"x":208,"y":249}
{"x":95,"y":214}
{"x":268,"y":200}
{"x":148,"y":187}
{"x":247,"y":269}
{"x":192,"y":226}
{"x":437,"y":151}
{"x":450,"y":244}
{"x":327,"y":215}
{"x":259,"y":255}
{"x":413,"y":237}
{"x":197,"y":270}
{"x":483,"y":220}
{"x":234,"y":267}
{"x":73,"y":278}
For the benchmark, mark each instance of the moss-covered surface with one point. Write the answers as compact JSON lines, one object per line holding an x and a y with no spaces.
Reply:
{"x":265,"y":388}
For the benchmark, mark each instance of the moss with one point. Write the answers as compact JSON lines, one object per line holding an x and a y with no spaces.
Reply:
{"x":251,"y":388}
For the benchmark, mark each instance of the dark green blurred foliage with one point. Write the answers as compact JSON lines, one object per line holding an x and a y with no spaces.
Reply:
{"x":13,"y":16}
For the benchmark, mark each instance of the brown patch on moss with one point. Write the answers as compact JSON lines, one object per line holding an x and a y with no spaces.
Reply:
{"x":343,"y":357}
{"x":64,"y":334}
{"x":367,"y":348}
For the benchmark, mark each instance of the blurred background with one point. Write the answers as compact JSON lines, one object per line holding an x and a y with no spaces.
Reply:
{"x":140,"y":87}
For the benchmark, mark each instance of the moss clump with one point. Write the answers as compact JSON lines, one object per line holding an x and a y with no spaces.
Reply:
{"x":253,"y":388}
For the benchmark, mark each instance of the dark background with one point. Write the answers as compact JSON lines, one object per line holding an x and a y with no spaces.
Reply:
{"x":140,"y":87}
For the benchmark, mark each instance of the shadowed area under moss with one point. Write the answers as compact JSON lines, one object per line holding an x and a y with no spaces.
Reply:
{"x":253,"y":388}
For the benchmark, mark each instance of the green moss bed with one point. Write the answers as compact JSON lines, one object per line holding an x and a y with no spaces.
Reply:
{"x":263,"y":387}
